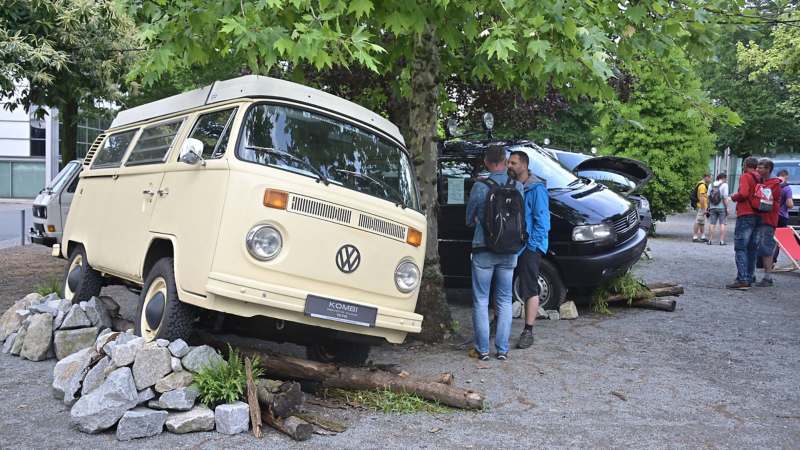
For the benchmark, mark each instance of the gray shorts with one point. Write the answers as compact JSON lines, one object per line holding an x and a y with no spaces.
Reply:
{"x":718,"y":215}
{"x":701,"y":216}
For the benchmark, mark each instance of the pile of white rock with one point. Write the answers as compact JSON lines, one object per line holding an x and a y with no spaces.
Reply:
{"x":112,"y":378}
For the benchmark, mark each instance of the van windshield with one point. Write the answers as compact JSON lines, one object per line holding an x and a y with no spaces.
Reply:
{"x":342,"y":153}
{"x":547,"y":168}
{"x":63,"y":177}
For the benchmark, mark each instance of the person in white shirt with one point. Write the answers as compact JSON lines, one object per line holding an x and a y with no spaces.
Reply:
{"x":718,"y":212}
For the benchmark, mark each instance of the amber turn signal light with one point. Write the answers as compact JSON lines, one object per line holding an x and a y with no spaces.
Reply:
{"x":51,"y":228}
{"x":275,"y":199}
{"x":414,"y":237}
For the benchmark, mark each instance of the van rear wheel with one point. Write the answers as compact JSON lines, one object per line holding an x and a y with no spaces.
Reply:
{"x":552,"y":291}
{"x":339,"y":352}
{"x":161,"y":314}
{"x":80,"y":282}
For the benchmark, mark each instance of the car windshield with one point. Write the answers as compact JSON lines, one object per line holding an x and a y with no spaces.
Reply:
{"x":792,"y":167}
{"x":547,"y":168}
{"x":601,"y":176}
{"x":340,"y":152}
{"x":63,"y":177}
{"x":570,"y":160}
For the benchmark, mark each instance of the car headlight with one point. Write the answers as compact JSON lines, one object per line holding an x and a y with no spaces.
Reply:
{"x":406,"y":276}
{"x":597,"y":232}
{"x":264,"y":242}
{"x":645,"y":204}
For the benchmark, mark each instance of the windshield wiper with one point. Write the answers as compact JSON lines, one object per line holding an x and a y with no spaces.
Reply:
{"x":378,"y":182}
{"x":575,"y":181}
{"x":274,"y":151}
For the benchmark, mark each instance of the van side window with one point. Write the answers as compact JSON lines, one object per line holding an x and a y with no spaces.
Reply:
{"x":154,"y":143}
{"x":457,"y":179}
{"x":113,"y":150}
{"x":214,"y":131}
{"x":73,"y":186}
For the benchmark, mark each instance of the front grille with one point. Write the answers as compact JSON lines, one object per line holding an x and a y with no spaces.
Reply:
{"x":626,"y":223}
{"x":39,"y":227}
{"x":323,"y":210}
{"x":384,"y":227}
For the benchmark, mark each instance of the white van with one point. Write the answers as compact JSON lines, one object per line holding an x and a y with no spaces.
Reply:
{"x":253,"y":198}
{"x":51,"y":206}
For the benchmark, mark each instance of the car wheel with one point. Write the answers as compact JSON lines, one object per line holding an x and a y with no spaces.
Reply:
{"x":339,"y":352}
{"x":552,"y":290}
{"x":81,"y":282}
{"x":161,"y":314}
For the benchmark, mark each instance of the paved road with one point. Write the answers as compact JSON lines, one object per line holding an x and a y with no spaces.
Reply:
{"x":718,"y":373}
{"x":10,"y":221}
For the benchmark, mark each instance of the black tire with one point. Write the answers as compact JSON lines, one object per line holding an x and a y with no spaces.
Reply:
{"x":176,"y":319}
{"x":80,"y":282}
{"x":552,"y":291}
{"x":339,"y":352}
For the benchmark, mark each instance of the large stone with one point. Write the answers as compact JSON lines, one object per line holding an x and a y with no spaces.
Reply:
{"x":75,"y":318}
{"x":104,"y":406}
{"x":176,"y":364}
{"x":199,"y":418}
{"x":151,"y":365}
{"x":568,"y":311}
{"x":103,"y":339}
{"x":34,"y":296}
{"x":140,"y":422}
{"x":59,"y":320}
{"x":60,"y":305}
{"x":38,"y":338}
{"x":9,"y":343}
{"x":108,"y":349}
{"x":8,"y":323}
{"x":97,"y":313}
{"x":68,"y":374}
{"x":179,"y":348}
{"x":553,"y":315}
{"x":111,"y":306}
{"x":67,"y":342}
{"x":180,"y":399}
{"x":232,"y":418}
{"x":50,"y":297}
{"x":541,"y":313}
{"x":43,"y":309}
{"x":200,"y":357}
{"x":175,"y":380}
{"x":125,"y":352}
{"x":146,"y":395}
{"x":95,"y":377}
{"x":16,"y":349}
{"x":124,"y":338}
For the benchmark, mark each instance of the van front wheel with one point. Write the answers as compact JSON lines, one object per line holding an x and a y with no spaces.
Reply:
{"x":81,"y":282}
{"x":161,"y":315}
{"x":552,"y":290}
{"x":339,"y":352}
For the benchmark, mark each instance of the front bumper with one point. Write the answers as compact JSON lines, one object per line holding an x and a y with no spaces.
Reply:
{"x":38,"y":237}
{"x":593,"y":270}
{"x":248,"y":298}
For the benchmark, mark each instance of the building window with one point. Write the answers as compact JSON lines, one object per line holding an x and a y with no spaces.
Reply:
{"x":38,"y":133}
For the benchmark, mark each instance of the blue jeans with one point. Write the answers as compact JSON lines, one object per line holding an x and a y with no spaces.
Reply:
{"x":746,"y":239}
{"x":485,"y":267}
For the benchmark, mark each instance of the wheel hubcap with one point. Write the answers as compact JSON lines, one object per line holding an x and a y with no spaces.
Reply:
{"x":544,"y":290}
{"x":73,"y":277}
{"x":153,"y":309}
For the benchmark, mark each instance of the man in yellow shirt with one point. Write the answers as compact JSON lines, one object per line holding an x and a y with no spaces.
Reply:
{"x":701,"y":208}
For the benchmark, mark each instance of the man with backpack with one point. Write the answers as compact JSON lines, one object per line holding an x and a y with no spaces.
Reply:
{"x":747,"y":236}
{"x":700,"y":203}
{"x":787,"y":203}
{"x":718,"y":208}
{"x":537,"y":219}
{"x":497,"y":211}
{"x":770,"y":215}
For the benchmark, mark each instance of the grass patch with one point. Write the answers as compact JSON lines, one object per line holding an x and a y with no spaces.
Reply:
{"x":51,"y":286}
{"x":224,"y":382}
{"x":626,"y":285}
{"x":389,"y":402}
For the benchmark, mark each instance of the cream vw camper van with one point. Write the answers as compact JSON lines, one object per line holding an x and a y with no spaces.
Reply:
{"x":257,"y":205}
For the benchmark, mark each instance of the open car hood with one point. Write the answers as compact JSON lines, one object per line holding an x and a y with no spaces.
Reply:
{"x":636,"y":171}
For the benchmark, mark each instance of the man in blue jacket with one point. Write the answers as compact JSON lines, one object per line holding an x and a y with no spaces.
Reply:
{"x":537,"y":218}
{"x":488,"y":266}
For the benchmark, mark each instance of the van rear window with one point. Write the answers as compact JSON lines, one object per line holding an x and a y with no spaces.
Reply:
{"x":154,"y":143}
{"x":113,"y":150}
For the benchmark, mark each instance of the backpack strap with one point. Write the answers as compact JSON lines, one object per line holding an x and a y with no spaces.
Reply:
{"x":489,"y":182}
{"x":757,"y":179}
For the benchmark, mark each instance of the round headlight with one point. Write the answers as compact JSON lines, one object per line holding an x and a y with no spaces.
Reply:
{"x":264,"y":242}
{"x":406,"y":276}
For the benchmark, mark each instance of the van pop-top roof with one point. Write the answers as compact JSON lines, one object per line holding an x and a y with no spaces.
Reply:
{"x":255,"y":86}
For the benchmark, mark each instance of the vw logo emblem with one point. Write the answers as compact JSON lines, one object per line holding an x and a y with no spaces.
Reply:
{"x":348,"y":258}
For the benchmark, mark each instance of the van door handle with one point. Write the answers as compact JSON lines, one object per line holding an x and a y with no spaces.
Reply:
{"x":163,"y":192}
{"x":151,"y":193}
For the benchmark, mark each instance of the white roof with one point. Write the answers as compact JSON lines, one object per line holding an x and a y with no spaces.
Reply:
{"x":254,"y":86}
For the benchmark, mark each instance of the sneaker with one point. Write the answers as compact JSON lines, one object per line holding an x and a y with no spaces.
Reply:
{"x":742,"y":285}
{"x":502,"y":356}
{"x":703,"y":238}
{"x":710,"y":242}
{"x":525,"y":339}
{"x":765,"y":282}
{"x":479,"y":356}
{"x":695,"y":239}
{"x":722,"y":243}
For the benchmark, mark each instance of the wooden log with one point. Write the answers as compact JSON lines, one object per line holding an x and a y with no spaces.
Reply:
{"x":324,"y":424}
{"x":444,"y":378}
{"x":352,"y":378}
{"x":294,"y":427}
{"x":282,"y":398}
{"x":252,"y":399}
{"x":660,"y":304}
{"x":656,"y":290}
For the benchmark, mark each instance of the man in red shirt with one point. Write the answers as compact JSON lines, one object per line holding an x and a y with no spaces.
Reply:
{"x":765,"y":251}
{"x":747,"y":236}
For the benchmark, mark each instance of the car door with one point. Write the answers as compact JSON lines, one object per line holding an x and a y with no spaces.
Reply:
{"x":192,"y":198}
{"x":134,"y":198}
{"x":67,"y":196}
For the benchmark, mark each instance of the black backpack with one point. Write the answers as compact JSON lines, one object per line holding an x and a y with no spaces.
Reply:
{"x":504,"y":229}
{"x":715,"y":196}
{"x":693,"y":198}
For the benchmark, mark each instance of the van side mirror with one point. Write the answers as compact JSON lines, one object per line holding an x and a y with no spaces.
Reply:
{"x":191,"y":152}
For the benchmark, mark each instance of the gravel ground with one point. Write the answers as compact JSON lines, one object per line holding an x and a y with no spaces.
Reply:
{"x":719,"y":372}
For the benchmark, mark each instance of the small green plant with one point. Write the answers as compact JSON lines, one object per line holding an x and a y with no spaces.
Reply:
{"x":626,"y":285}
{"x":224,"y":382}
{"x":51,"y":286}
{"x":389,"y":402}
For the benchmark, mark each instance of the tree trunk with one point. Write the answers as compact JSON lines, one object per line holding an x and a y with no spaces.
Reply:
{"x":656,"y":290}
{"x":422,"y":138}
{"x":252,"y":399}
{"x":69,"y":138}
{"x":296,"y":428}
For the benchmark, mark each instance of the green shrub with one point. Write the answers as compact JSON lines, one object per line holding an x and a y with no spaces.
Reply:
{"x":51,"y":286}
{"x":626,"y":285}
{"x":224,"y":382}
